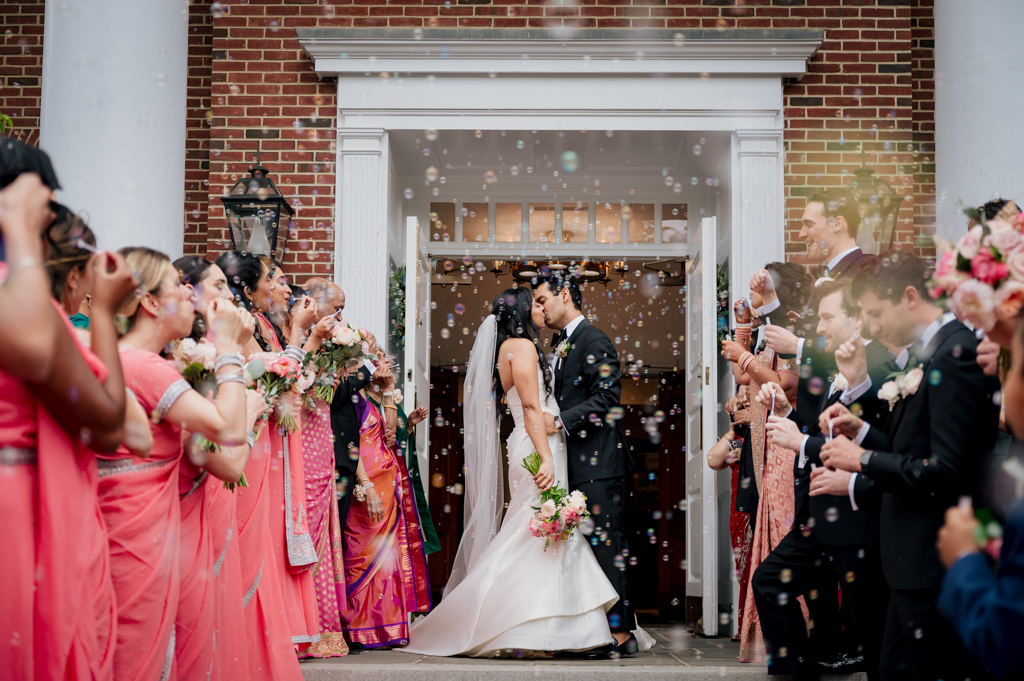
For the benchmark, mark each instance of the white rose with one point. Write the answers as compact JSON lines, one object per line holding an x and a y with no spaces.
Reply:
{"x":912,"y":381}
{"x":548,"y":509}
{"x":344,"y":335}
{"x":889,"y":392}
{"x":205,"y":353}
{"x":578,"y":502}
{"x":396,"y":396}
{"x":840,"y":382}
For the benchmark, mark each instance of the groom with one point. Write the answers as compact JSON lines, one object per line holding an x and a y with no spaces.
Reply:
{"x":586,"y":368}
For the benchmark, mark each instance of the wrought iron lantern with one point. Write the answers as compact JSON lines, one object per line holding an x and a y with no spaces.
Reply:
{"x":256,"y":210}
{"x":879,"y":207}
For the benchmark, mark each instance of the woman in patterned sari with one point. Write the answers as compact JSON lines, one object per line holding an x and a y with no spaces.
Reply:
{"x":385,"y":565}
{"x":773,"y":465}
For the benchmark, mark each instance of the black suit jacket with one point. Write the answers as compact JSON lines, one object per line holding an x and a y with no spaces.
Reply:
{"x":344,"y":423}
{"x":847,"y":268}
{"x":587,"y":386}
{"x":832,"y":518}
{"x":939,"y":438}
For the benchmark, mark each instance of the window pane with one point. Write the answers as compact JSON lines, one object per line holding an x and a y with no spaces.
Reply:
{"x":542,"y":222}
{"x":442,"y":221}
{"x":508,"y":222}
{"x":474,"y":222}
{"x":673,"y":223}
{"x":575,"y":229}
{"x":608,"y":223}
{"x":641,"y":223}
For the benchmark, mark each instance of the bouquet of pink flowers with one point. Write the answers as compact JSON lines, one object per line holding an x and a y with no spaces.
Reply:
{"x":981,"y":277}
{"x":346,"y":345}
{"x":277,"y":376}
{"x":560,"y":512}
{"x":195,"y":361}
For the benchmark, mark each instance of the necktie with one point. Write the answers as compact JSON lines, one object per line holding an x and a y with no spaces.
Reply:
{"x":558,"y":339}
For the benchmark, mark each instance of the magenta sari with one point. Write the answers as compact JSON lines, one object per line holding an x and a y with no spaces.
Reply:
{"x":139,"y":500}
{"x":385,"y":564}
{"x":57,"y":618}
{"x":325,"y":529}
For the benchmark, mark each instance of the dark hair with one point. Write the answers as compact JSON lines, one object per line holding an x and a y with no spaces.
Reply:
{"x":827,"y":288}
{"x":63,"y":253}
{"x":512,"y":311}
{"x":991,"y":208}
{"x":560,"y":279}
{"x":839,"y":202}
{"x":192,"y":270}
{"x":243,"y":271}
{"x":792,"y":284}
{"x":889,"y":275}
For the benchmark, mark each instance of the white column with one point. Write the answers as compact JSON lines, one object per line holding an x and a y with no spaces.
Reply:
{"x":758,"y":205}
{"x":979,"y":93}
{"x":113,"y":116}
{"x":360,"y":231}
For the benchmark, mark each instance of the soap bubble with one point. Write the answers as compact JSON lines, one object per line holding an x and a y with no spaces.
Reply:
{"x":570,"y":161}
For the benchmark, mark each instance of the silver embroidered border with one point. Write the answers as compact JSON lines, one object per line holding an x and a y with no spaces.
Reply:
{"x":300,"y":546}
{"x":165,"y":673}
{"x":220,"y":560}
{"x":16,"y":456}
{"x":315,"y":638}
{"x":252,"y":589}
{"x":170,"y":396}
{"x":118,"y":466}
{"x":196,"y":485}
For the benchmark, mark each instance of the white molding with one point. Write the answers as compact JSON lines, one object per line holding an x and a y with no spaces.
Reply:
{"x":758,"y":202}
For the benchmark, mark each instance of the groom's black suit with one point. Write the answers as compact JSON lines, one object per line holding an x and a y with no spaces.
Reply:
{"x":587,"y":388}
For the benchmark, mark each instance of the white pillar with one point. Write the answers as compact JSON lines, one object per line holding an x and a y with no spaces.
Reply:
{"x":758,"y":205}
{"x":113,"y":116}
{"x":360,"y":231}
{"x":979,"y":93}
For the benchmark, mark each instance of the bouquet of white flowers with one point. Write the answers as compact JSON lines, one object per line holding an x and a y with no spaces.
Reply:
{"x":345,"y":346}
{"x":560,"y":511}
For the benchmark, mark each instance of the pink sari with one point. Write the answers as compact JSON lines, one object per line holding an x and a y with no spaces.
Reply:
{"x":57,"y":616}
{"x":229,"y":651}
{"x":773,"y":473}
{"x":139,"y":500}
{"x":385,"y":564}
{"x":325,"y":529}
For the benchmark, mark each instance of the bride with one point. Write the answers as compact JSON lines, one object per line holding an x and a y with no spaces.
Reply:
{"x":506,"y":593}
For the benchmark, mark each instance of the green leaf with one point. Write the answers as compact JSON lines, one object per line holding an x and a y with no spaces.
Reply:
{"x":5,"y":122}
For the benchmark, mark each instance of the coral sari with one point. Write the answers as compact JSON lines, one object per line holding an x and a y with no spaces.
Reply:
{"x":139,"y":500}
{"x":61,"y":625}
{"x":385,"y":564}
{"x":773,"y":474}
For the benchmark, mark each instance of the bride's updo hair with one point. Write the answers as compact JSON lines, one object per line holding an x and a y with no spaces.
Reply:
{"x":512,"y":311}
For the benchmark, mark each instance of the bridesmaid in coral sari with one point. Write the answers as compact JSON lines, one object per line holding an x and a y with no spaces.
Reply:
{"x":139,"y":497}
{"x":385,"y":564}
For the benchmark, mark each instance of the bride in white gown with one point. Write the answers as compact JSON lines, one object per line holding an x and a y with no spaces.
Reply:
{"x":507,"y":593}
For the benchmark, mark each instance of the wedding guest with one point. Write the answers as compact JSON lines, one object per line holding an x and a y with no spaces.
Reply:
{"x":772,"y":464}
{"x":208,"y":283}
{"x":385,"y":566}
{"x":139,"y":497}
{"x":829,"y":532}
{"x":58,"y":609}
{"x":943,"y":423}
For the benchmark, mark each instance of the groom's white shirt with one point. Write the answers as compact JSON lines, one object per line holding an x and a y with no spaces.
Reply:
{"x":557,"y":362}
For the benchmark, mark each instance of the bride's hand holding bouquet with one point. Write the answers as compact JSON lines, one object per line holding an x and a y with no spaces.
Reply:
{"x":560,"y":512}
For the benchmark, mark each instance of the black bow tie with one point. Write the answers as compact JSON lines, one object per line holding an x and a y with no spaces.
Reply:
{"x":555,"y":340}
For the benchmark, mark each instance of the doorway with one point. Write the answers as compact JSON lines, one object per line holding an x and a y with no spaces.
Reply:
{"x":640,"y":305}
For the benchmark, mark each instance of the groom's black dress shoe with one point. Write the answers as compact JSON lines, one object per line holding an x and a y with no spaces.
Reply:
{"x":614,"y":651}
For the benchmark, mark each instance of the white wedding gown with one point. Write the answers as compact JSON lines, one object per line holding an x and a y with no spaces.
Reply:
{"x":519,"y":596}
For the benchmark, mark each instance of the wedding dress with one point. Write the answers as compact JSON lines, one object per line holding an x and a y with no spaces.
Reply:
{"x":516,"y":595}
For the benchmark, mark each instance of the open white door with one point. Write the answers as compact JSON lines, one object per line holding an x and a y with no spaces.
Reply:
{"x":701,"y":424}
{"x":417,"y":334}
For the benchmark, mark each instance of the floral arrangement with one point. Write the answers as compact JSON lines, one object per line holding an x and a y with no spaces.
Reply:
{"x":722,"y":279}
{"x":396,"y":296}
{"x":560,"y":511}
{"x":276,"y":376}
{"x":903,"y":385}
{"x":981,"y":277}
{"x":346,"y":344}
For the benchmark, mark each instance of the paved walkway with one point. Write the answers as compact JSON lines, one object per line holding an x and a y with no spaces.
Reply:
{"x":675,"y":656}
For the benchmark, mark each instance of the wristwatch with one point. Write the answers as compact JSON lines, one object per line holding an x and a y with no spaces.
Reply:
{"x":864,"y":458}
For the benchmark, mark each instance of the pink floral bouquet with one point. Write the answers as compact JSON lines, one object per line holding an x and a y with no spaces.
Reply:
{"x":276,"y":376}
{"x":981,"y":277}
{"x":560,"y":512}
{"x":346,"y":345}
{"x":195,"y":362}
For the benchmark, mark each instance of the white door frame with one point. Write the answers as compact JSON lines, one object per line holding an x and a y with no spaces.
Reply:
{"x":624,"y":80}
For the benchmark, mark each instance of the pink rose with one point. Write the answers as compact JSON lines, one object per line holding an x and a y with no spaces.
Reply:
{"x":1016,"y":264}
{"x":998,"y":225}
{"x":1006,"y":241}
{"x":1008,"y":300}
{"x":946,"y":265}
{"x":970,"y":242}
{"x":974,"y":302}
{"x":987,"y":269}
{"x":282,"y":366}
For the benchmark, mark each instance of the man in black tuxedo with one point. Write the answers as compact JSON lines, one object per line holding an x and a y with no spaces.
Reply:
{"x":587,"y":386}
{"x":942,"y":426}
{"x":831,"y":539}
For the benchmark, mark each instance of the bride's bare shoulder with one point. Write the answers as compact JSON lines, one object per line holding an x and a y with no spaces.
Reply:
{"x":517,"y":347}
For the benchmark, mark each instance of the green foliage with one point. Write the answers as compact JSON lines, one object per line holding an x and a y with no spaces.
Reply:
{"x":556,"y":494}
{"x":5,"y":122}
{"x":722,"y":281}
{"x":396,"y":300}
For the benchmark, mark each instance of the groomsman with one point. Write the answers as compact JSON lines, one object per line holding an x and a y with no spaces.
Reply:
{"x":831,"y":539}
{"x":943,"y":423}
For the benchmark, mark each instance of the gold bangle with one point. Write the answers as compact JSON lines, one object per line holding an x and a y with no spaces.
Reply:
{"x":390,"y":406}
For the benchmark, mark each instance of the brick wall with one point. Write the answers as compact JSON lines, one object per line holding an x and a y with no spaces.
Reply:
{"x":870,"y":86}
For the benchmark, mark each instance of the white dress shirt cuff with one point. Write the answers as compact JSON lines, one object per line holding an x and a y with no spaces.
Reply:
{"x":766,"y":310}
{"x":802,"y":461}
{"x":800,"y":350}
{"x":851,"y":395}
{"x":849,"y":490}
{"x":562,"y":424}
{"x":862,"y":434}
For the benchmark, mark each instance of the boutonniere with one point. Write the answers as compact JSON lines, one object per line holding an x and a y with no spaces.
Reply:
{"x":563,"y":348}
{"x":903,"y":385}
{"x":839,"y":383}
